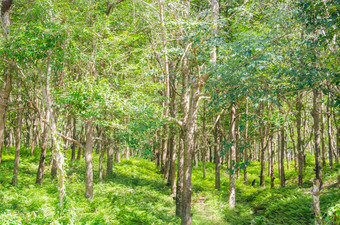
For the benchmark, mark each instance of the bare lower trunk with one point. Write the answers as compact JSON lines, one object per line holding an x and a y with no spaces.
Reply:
{"x":79,"y":155}
{"x":317,"y":136}
{"x":299,"y":141}
{"x":245,"y":155}
{"x":232,"y":193}
{"x":17,"y":140}
{"x":282,"y":157}
{"x":41,"y":168}
{"x":109,"y":169}
{"x":272,"y":157}
{"x":323,"y":150}
{"x":88,"y":149}
{"x":217,"y":157}
{"x":188,"y":154}
{"x":74,"y":135}
{"x":329,"y":130}
{"x":117,"y":156}
{"x":316,"y":201}
{"x":59,"y":157}
{"x":179,"y":188}
{"x":263,"y":148}
{"x":5,"y":91}
{"x":102,"y":153}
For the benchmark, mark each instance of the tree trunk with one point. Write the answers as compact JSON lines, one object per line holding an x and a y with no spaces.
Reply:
{"x":17,"y":138}
{"x":172,"y":136}
{"x":232,"y":192}
{"x":316,"y":201}
{"x":299,"y":141}
{"x":282,"y":157}
{"x":263,"y":149}
{"x":109,"y":166}
{"x":102,"y":153}
{"x":204,"y":140}
{"x":117,"y":155}
{"x":272,"y":157}
{"x":88,"y":149}
{"x":245,"y":155}
{"x":337,"y":127}
{"x":79,"y":155}
{"x":179,"y":188}
{"x":323,"y":151}
{"x":317,"y":135}
{"x":165,"y":63}
{"x":217,"y":156}
{"x":329,"y":126}
{"x":74,"y":135}
{"x":41,"y":168}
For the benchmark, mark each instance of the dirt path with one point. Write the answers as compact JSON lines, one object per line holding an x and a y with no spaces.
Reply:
{"x":205,"y":214}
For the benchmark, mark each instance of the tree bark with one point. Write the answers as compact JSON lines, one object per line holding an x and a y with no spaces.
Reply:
{"x":172,"y":136}
{"x":299,"y":141}
{"x":41,"y":168}
{"x":102,"y":153}
{"x":179,"y":186}
{"x":323,"y":150}
{"x":329,"y":130}
{"x":272,"y":159}
{"x":317,"y":135}
{"x":282,"y":157}
{"x":74,"y":135}
{"x":88,"y":149}
{"x":232,"y":193}
{"x":117,"y":155}
{"x":245,"y":155}
{"x":217,"y":156}
{"x":7,"y":78}
{"x":316,"y":200}
{"x":18,"y":129}
{"x":109,"y":166}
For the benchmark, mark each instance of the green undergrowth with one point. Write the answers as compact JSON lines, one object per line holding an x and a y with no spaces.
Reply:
{"x":137,"y":194}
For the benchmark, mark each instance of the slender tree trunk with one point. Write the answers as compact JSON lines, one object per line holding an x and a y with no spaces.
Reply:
{"x":299,"y":141}
{"x":109,"y":166}
{"x":117,"y":155}
{"x":41,"y":168}
{"x":323,"y":150}
{"x":185,"y":109}
{"x":232,"y":192}
{"x":101,"y":158}
{"x":237,"y":145}
{"x":272,"y":157}
{"x":204,"y":139}
{"x":79,"y":149}
{"x":88,"y":149}
{"x":4,"y":96}
{"x":337,"y":140}
{"x":317,"y":135}
{"x":217,"y":156}
{"x":282,"y":157}
{"x":245,"y":155}
{"x":6,"y":86}
{"x":58,"y":156}
{"x":172,"y":136}
{"x":74,"y":137}
{"x":263,"y":149}
{"x":179,"y":186}
{"x":316,"y":201}
{"x":17,"y":138}
{"x":329,"y":126}
{"x":165,"y":63}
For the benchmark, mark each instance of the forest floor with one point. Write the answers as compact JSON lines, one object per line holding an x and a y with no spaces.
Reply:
{"x":137,"y":194}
